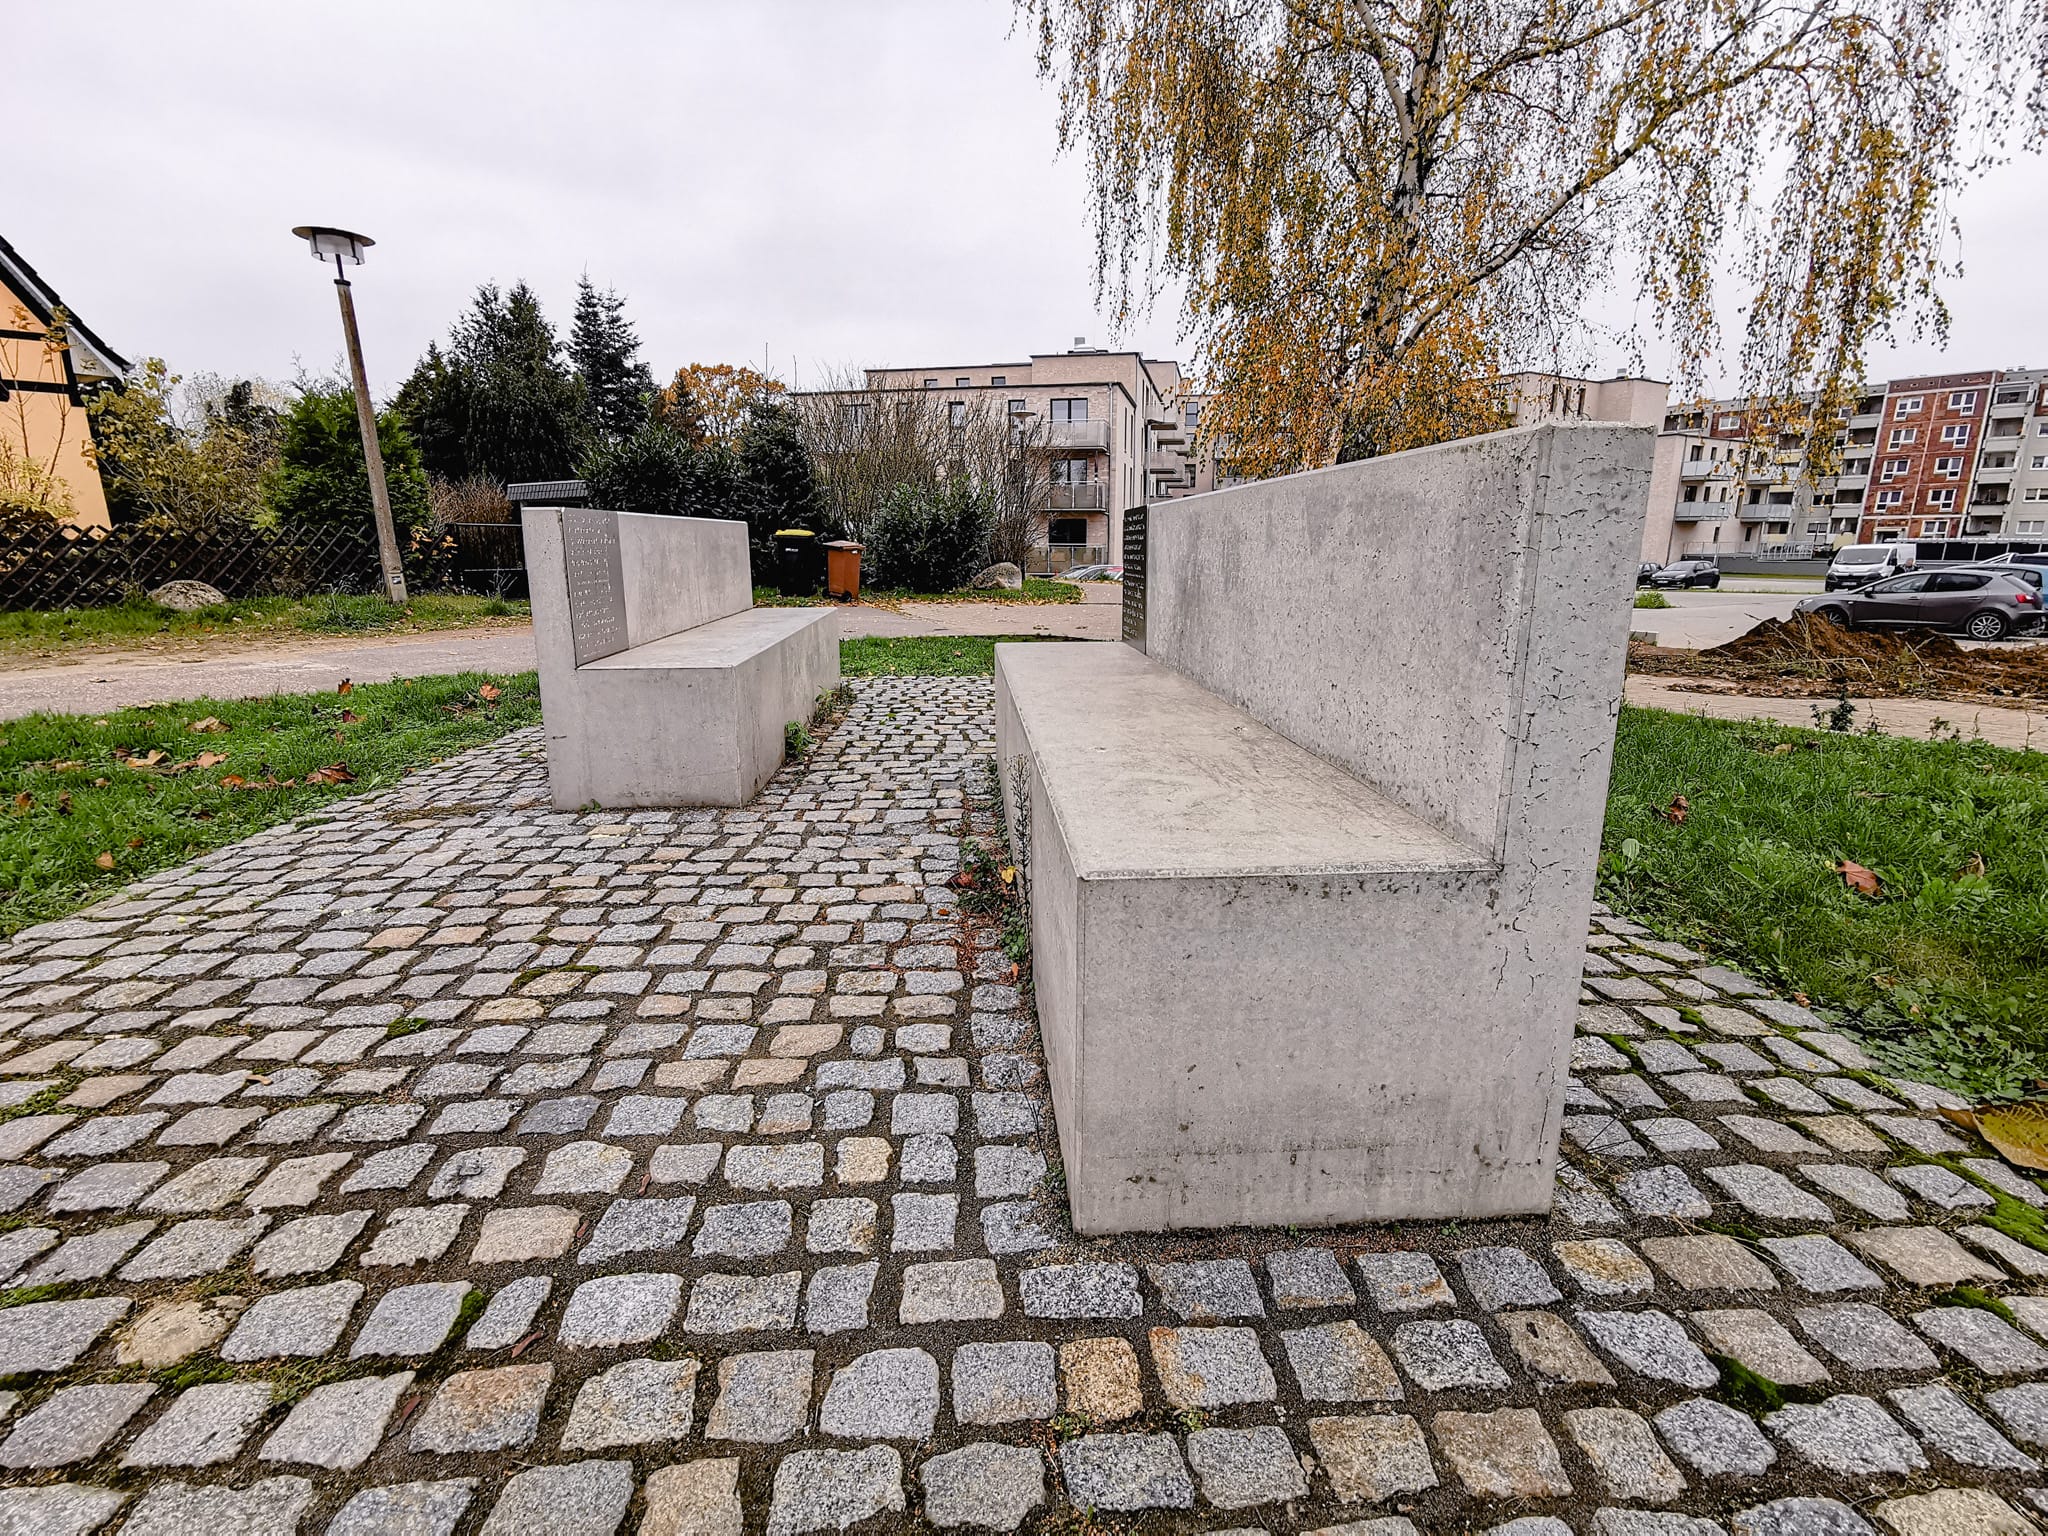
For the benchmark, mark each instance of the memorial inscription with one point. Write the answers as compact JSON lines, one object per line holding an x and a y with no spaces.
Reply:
{"x":596,"y":583}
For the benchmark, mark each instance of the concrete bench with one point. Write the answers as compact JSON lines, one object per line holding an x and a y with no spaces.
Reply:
{"x":660,"y":683}
{"x":1308,"y":876}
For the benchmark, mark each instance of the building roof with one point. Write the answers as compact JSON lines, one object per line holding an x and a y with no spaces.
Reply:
{"x":90,"y":356}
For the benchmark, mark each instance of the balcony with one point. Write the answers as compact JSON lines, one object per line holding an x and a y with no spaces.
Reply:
{"x":1701,"y":512}
{"x":1163,"y":463}
{"x":1995,"y":474}
{"x":1074,"y":498}
{"x":2018,"y":407}
{"x":1085,"y":436}
{"x":1703,"y":469}
{"x":1056,"y":559}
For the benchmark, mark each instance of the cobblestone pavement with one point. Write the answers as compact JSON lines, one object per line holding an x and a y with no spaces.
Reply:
{"x":449,"y":1164}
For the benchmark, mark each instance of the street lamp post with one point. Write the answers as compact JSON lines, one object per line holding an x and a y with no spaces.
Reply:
{"x":339,"y":245}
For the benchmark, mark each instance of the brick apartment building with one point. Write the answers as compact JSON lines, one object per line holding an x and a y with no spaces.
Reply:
{"x":1938,"y":457}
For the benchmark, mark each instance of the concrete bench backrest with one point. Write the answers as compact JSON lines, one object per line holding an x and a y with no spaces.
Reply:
{"x":1448,"y":624}
{"x":624,"y":579}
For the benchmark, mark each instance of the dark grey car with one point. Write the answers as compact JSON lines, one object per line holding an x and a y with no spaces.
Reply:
{"x":1983,"y":604}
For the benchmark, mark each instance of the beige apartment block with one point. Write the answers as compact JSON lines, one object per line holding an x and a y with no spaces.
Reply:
{"x":1117,"y":434}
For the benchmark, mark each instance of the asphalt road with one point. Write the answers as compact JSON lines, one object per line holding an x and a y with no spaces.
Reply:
{"x":115,"y":680}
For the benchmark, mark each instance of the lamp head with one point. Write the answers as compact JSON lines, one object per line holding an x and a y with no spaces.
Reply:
{"x":335,"y":245}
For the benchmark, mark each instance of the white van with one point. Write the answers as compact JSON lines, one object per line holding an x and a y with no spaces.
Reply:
{"x":1859,"y":564}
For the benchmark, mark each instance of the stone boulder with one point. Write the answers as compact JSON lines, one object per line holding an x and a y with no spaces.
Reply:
{"x":186,"y":596}
{"x":1003,"y":574}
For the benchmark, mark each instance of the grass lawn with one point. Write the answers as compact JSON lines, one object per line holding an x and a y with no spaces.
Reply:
{"x":94,"y":801}
{"x":1944,"y":969}
{"x":129,"y":624}
{"x":1036,"y":589}
{"x":925,"y":655}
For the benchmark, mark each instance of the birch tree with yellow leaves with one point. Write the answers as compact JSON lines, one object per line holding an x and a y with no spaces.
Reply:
{"x":1374,"y":207}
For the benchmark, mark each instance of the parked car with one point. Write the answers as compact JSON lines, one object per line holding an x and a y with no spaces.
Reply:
{"x":1688,"y":573}
{"x":1645,"y":571}
{"x":1857,"y":565}
{"x":1981,"y":603}
{"x":2037,"y":558}
{"x":1084,"y":573}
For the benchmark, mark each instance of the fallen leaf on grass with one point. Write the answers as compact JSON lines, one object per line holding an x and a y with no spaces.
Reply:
{"x":210,"y":723}
{"x":147,"y":759}
{"x":65,"y":765}
{"x":487,"y":693}
{"x":64,"y":804}
{"x":105,"y":861}
{"x":134,"y":842}
{"x":1974,"y":865}
{"x":208,"y":759}
{"x":334,"y":773}
{"x":344,"y":686}
{"x":1856,"y":877}
{"x":2018,"y":1131}
{"x":1676,"y":811}
{"x":349,"y":717}
{"x":232,"y":781}
{"x":24,"y":800}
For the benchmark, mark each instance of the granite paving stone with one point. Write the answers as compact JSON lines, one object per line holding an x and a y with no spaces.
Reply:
{"x":411,"y":1319}
{"x":994,"y":1487}
{"x":1949,"y":1425}
{"x":763,"y":1398}
{"x":1625,"y":1453}
{"x":1241,"y":1468}
{"x":1863,"y":1337}
{"x":886,"y":1394}
{"x":1445,"y":1356}
{"x":303,"y":1322}
{"x":337,"y":1425}
{"x":72,"y":1424}
{"x":1372,"y":1457}
{"x":1506,"y":1454}
{"x":405,"y":1509}
{"x":583,"y":1498}
{"x":636,"y":1402}
{"x":831,"y":1490}
{"x":1715,"y":1440}
{"x":1099,"y":1379}
{"x":487,"y":1410}
{"x":1340,"y":1363}
{"x":204,"y":1426}
{"x":1126,"y":1472}
{"x":1848,"y":1435}
{"x":271,"y":1506}
{"x":1650,"y":1344}
{"x":1212,"y":1367}
{"x":693,"y":1498}
{"x":619,"y":1309}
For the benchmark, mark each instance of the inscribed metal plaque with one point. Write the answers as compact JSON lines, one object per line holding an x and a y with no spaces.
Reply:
{"x":597,"y":582}
{"x":1134,"y":577}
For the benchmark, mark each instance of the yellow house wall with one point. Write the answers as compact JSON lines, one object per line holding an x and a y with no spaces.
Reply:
{"x":43,"y":426}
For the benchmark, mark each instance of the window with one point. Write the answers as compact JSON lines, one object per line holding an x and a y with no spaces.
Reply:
{"x":997,"y":380}
{"x":1017,"y":408}
{"x":1191,"y":420}
{"x":1942,"y":496}
{"x":2039,"y":461}
{"x":956,"y":414}
{"x":1908,"y":405}
{"x":854,"y":416}
{"x":1692,"y":493}
{"x":1901,"y":436}
{"x":963,"y":382}
{"x":1070,"y":410}
{"x":2010,"y":396}
{"x":1727,"y":423}
{"x":1896,"y":468}
{"x":1067,"y":530}
{"x":2033,"y":524}
{"x":1696,"y":455}
{"x":1819,"y":527}
{"x":1917,"y":582}
{"x":1070,"y":471}
{"x":2036,"y":493}
{"x":1956,"y":433}
{"x":1934,"y":528}
{"x":1889,"y":498}
{"x":931,"y":383}
{"x":1955,"y":581}
{"x":2041,"y":427}
{"x":1950,"y":467}
{"x":1963,"y":402}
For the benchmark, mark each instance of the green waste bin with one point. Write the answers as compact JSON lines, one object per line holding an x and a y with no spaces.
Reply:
{"x":799,"y":563}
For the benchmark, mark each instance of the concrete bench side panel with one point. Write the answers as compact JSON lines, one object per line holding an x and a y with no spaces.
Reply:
{"x":681,"y":572}
{"x":781,"y":684}
{"x":1302,"y":1050}
{"x":647,"y":738}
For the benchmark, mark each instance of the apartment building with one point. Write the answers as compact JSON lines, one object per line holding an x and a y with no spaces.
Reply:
{"x":1533,"y":398}
{"x":1119,"y":432}
{"x":1937,"y":457}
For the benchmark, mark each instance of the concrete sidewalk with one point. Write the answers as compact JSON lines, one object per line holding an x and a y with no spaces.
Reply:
{"x":117,"y":680}
{"x":1920,"y":718}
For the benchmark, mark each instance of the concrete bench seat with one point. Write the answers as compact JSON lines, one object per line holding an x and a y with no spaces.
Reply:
{"x":1203,"y":789}
{"x":660,"y":683}
{"x":1307,"y":867}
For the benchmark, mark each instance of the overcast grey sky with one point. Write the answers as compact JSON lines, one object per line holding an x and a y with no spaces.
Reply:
{"x":840,"y":183}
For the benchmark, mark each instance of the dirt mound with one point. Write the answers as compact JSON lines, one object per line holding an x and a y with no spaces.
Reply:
{"x":1804,"y":638}
{"x":1805,"y":656}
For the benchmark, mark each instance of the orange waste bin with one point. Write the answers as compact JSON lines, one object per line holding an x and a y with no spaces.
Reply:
{"x":842,"y":569}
